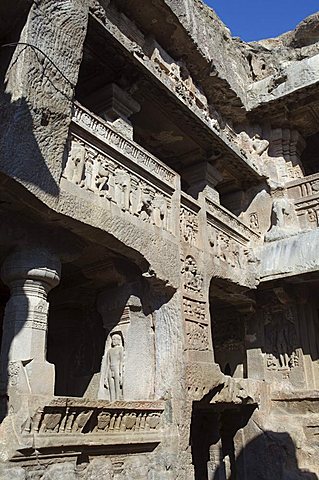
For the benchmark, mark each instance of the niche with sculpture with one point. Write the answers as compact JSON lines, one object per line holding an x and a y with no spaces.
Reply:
{"x":128,"y":363}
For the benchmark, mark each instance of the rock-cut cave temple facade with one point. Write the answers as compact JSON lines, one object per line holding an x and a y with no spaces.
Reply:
{"x":159,"y":234}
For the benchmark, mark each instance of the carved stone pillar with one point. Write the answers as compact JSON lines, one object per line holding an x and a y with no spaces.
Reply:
{"x":203,"y":178}
{"x":286,"y":147}
{"x":115,"y":105}
{"x":30,"y":275}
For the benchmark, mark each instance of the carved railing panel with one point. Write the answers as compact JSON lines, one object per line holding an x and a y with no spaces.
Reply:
{"x":70,"y":422}
{"x":131,"y":150}
{"x":119,"y":172}
{"x":85,"y":417}
{"x":305,"y":193}
{"x":222,"y":218}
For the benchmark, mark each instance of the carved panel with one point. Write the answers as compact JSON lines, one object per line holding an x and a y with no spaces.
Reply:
{"x":305,"y":193}
{"x":96,"y":172}
{"x":196,"y":336}
{"x":194,"y":310}
{"x":192,"y":278}
{"x":177,"y":73}
{"x":189,"y":226}
{"x":196,"y":324}
{"x":226,"y":250}
{"x":254,"y":222}
{"x":95,"y":418}
{"x":232,"y":223}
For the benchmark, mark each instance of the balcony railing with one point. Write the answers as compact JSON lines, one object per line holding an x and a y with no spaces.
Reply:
{"x":305,"y":193}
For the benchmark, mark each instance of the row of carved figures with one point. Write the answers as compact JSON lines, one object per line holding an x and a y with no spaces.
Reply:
{"x":97,"y":173}
{"x":227,"y":250}
{"x":91,"y":420}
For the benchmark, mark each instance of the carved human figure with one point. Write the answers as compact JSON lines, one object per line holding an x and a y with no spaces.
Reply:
{"x":146,"y":210}
{"x":102,"y":177}
{"x":234,"y":255}
{"x":74,"y":167}
{"x":114,"y":368}
{"x":222,"y":246}
{"x":282,"y":345}
{"x":87,"y":183}
{"x":122,"y":188}
{"x":193,"y":280}
{"x":159,"y":211}
{"x":280,"y":331}
{"x":189,"y":226}
{"x":283,"y":210}
{"x":135,"y":197}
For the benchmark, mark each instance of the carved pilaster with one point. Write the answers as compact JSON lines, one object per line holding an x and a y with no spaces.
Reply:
{"x":30,"y":275}
{"x":286,"y":147}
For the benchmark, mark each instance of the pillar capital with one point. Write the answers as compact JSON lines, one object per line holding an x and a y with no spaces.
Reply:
{"x":35,"y":264}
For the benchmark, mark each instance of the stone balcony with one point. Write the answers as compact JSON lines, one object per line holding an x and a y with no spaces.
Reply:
{"x":122,"y":176}
{"x":118,"y":178}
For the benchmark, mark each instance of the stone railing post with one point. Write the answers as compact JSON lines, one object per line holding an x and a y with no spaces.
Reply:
{"x":30,"y":275}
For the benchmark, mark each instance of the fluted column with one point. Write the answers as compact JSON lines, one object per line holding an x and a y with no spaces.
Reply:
{"x":30,"y":275}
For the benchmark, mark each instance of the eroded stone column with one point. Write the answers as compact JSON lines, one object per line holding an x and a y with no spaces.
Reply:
{"x":30,"y":275}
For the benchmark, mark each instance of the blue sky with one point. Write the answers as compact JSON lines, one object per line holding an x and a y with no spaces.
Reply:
{"x":259,"y":19}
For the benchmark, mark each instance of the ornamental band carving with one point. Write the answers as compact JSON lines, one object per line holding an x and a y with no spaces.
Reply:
{"x":96,"y":172}
{"x":118,"y":417}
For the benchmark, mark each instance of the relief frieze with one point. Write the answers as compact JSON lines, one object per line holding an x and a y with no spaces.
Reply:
{"x":96,"y":172}
{"x":196,"y":336}
{"x":189,"y":227}
{"x":234,"y":225}
{"x":95,"y":418}
{"x":192,"y":278}
{"x":281,"y":349}
{"x":194,"y":310}
{"x":225,"y":249}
